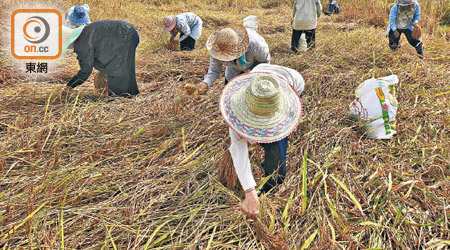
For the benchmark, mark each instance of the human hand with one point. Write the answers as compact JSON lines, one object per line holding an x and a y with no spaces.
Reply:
{"x":75,"y":81}
{"x":203,"y":88}
{"x":396,"y":34}
{"x":250,"y":205}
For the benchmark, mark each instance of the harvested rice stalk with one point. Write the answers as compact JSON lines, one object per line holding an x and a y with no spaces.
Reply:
{"x":190,"y":88}
{"x":226,"y":173}
{"x":417,"y":32}
{"x":59,"y":95}
{"x":269,"y":240}
{"x":192,"y":91}
{"x":101,"y":83}
{"x":173,"y":45}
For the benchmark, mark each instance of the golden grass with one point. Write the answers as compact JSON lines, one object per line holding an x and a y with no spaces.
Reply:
{"x":82,"y":172}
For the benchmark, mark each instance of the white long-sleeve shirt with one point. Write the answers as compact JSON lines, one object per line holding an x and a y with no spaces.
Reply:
{"x":306,"y":13}
{"x":239,"y":146}
{"x":258,"y":51}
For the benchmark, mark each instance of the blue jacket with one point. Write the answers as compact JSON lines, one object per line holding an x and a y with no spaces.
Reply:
{"x":393,"y":18}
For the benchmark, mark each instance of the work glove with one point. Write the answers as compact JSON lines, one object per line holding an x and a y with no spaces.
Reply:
{"x":75,"y":81}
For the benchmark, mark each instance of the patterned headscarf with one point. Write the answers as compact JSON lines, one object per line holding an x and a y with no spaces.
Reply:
{"x":78,"y":16}
{"x":405,"y":2}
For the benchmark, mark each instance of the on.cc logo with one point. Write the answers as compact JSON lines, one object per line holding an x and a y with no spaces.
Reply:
{"x":39,"y":26}
{"x":36,"y":34}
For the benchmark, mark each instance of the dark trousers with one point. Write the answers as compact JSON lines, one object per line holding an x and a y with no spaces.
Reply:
{"x":187,"y":44}
{"x":126,"y":85}
{"x":310,"y":38}
{"x":274,"y":163}
{"x":394,"y":42}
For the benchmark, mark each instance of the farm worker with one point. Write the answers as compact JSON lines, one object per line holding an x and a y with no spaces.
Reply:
{"x":188,"y":25}
{"x":78,"y":16}
{"x":263,"y":106}
{"x":403,"y":18}
{"x":333,"y":7}
{"x":110,"y":47}
{"x":306,"y":13}
{"x":236,"y":47}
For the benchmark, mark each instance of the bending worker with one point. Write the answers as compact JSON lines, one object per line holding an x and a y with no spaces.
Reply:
{"x":188,"y":25}
{"x":263,"y":106}
{"x":110,"y":47}
{"x":240,"y":49}
{"x":403,"y":19}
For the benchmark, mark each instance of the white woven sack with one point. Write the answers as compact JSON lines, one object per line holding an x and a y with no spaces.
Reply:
{"x":376,"y":106}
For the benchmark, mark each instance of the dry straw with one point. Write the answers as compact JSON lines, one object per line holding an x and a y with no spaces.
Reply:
{"x":101,"y":83}
{"x":79,"y":172}
{"x":226,"y":172}
{"x":269,"y":240}
{"x":173,"y":45}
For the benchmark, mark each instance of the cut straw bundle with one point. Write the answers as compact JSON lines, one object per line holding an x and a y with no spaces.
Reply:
{"x":226,"y":172}
{"x":101,"y":83}
{"x":228,"y":177}
{"x":417,"y":32}
{"x":173,"y":45}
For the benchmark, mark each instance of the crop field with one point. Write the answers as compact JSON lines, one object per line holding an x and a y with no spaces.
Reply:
{"x":81,"y":171}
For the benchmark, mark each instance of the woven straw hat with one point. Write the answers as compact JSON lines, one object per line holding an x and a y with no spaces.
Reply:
{"x":169,"y":23}
{"x":261,"y":107}
{"x":228,"y":43}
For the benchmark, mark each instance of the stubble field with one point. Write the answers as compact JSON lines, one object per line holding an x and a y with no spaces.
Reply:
{"x":82,"y":172}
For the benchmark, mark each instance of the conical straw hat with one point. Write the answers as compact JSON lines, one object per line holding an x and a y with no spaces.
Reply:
{"x":261,"y":107}
{"x":228,"y":43}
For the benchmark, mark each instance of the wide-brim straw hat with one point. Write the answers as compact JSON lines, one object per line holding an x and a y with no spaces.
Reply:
{"x":261,"y":107}
{"x":169,"y":23}
{"x":228,"y":43}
